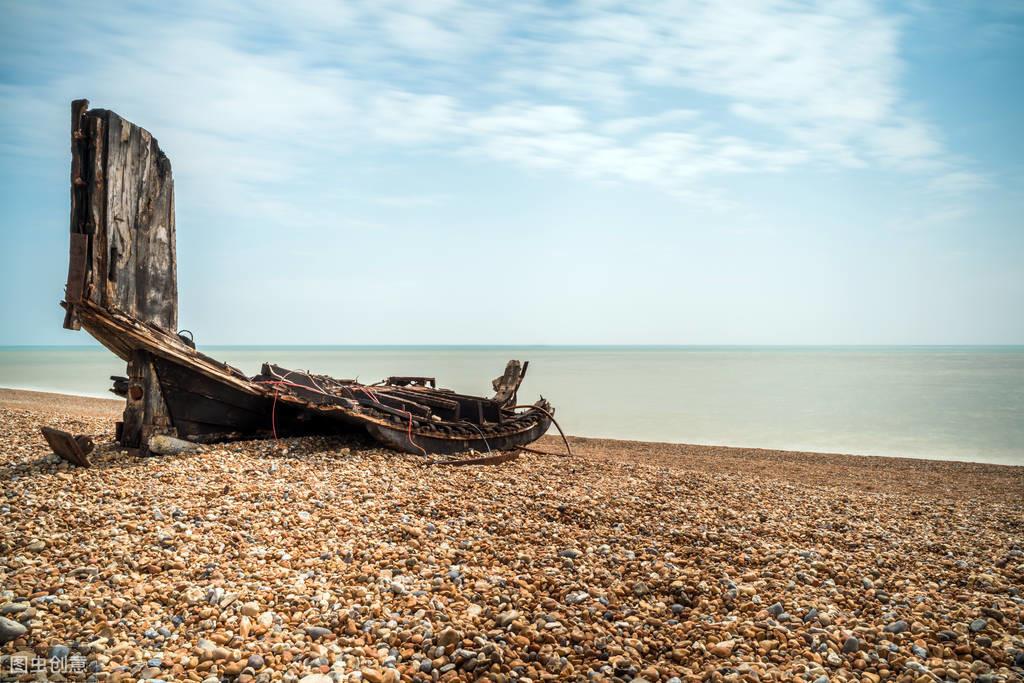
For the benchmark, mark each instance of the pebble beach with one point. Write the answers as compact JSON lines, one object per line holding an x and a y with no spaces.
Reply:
{"x":319,"y":560}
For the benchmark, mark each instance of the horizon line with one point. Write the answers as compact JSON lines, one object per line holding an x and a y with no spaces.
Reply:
{"x":97,"y":345}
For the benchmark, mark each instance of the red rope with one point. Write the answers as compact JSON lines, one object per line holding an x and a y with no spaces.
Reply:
{"x":273,"y":415}
{"x":408,"y":431}
{"x":409,"y":434}
{"x":286,"y":383}
{"x":373,"y":396}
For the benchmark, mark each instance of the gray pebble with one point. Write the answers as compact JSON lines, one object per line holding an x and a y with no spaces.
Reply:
{"x":897,"y":627}
{"x":59,"y":652}
{"x":10,"y":630}
{"x":317,"y":632}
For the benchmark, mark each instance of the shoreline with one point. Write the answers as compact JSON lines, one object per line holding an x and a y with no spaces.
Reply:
{"x":28,"y":397}
{"x":99,"y":396}
{"x":310,"y":558}
{"x":82,"y":404}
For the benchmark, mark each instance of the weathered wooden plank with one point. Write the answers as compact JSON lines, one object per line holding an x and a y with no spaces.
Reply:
{"x":195,"y":431}
{"x":79,"y":210}
{"x":118,"y":245}
{"x":507,"y":386}
{"x":97,"y":210}
{"x":134,"y":410}
{"x":123,"y":206}
{"x":78,"y":181}
{"x":141,"y":275}
{"x":77,"y":257}
{"x":188,"y":381}
{"x":74,"y":449}
{"x":157,"y":264}
{"x":202,"y":409}
{"x":156,"y":418}
{"x":145,"y":411}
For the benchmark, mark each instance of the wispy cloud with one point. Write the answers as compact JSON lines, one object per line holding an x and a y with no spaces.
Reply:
{"x":676,"y":95}
{"x":411,"y":201}
{"x":959,"y":182}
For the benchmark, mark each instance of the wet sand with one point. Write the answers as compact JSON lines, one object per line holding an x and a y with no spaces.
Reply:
{"x":312,"y":558}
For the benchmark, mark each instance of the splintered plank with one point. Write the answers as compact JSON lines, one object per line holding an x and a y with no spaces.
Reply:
{"x":79,"y":252}
{"x":74,"y":450}
{"x":139,"y":247}
{"x":96,"y":211}
{"x":121,"y":218}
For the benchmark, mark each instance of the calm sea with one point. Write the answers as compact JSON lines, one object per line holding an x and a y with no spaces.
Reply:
{"x":963,"y":403}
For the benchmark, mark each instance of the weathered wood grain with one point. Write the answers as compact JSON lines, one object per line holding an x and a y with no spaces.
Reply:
{"x":141,"y":275}
{"x":95,"y":220}
{"x":77,"y":270}
{"x":145,"y":412}
{"x":122,"y":254}
{"x":78,"y":256}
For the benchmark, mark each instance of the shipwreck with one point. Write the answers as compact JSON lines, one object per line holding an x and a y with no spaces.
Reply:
{"x":122,"y":289}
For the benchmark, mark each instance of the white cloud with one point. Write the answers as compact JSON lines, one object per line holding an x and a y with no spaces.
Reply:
{"x":417,"y":33}
{"x":905,"y":144}
{"x":527,"y":119}
{"x":567,"y":82}
{"x":622,"y":126}
{"x":670,"y":94}
{"x":958,"y":182}
{"x":405,"y":117}
{"x":411,"y":201}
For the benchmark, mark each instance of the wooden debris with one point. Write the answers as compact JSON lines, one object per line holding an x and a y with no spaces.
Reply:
{"x":161,"y":444}
{"x":122,"y":289}
{"x":73,"y":449}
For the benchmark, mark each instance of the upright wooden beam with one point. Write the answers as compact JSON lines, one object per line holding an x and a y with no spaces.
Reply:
{"x":122,"y":250}
{"x":78,"y":255}
{"x":145,"y":412}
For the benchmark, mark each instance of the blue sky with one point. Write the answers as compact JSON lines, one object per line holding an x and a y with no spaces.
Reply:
{"x":542,"y":173}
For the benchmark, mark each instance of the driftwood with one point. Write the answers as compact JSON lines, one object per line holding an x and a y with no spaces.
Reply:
{"x":161,"y":444}
{"x":71,"y":448}
{"x":506,"y":387}
{"x":122,"y":252}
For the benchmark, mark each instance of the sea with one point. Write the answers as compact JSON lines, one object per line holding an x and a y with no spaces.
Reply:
{"x":949,"y":402}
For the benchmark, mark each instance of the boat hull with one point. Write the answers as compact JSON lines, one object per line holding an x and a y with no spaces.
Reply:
{"x":203,"y":409}
{"x":424,"y":444}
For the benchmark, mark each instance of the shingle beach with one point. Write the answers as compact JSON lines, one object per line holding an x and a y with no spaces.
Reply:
{"x":325,"y":559}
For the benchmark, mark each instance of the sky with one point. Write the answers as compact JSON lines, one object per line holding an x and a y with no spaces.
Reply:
{"x":448,"y":172}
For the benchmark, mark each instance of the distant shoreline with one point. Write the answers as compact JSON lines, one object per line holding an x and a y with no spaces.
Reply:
{"x":60,"y":403}
{"x":53,"y":391}
{"x":99,"y":406}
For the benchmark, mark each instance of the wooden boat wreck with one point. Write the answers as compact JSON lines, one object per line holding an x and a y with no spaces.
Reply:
{"x":122,"y":289}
